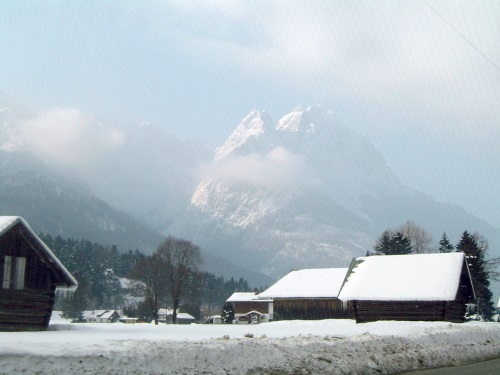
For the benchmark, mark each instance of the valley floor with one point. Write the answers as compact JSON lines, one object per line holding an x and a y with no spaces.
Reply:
{"x":293,"y":347}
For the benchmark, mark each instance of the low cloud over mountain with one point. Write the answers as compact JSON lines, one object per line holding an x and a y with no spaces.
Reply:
{"x":300,"y":192}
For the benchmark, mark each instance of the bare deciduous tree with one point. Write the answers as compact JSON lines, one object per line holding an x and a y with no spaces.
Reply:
{"x":151,"y":271}
{"x":419,"y":238}
{"x":182,"y":259}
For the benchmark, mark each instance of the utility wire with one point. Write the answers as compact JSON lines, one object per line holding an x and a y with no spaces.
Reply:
{"x":464,"y":37}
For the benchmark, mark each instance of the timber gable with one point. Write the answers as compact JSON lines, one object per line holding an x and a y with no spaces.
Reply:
{"x":29,"y":274}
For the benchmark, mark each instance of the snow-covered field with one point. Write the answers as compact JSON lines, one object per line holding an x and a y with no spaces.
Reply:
{"x":309,"y":347}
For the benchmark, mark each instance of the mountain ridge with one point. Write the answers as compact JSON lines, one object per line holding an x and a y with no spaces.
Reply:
{"x":300,"y":192}
{"x":318,"y":192}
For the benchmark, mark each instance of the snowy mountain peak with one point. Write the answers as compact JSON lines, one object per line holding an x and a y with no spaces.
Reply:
{"x":253,"y":126}
{"x":306,"y":121}
{"x":293,"y":193}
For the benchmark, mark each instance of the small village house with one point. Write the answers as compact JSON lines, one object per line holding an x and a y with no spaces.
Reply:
{"x":213,"y":319}
{"x":30,"y":274}
{"x":166,"y":316}
{"x":308,"y":294}
{"x":427,"y":287}
{"x":100,"y":316}
{"x":248,"y":307}
{"x":129,"y":320}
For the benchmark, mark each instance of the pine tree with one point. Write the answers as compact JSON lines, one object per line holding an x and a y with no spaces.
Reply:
{"x":474,"y":255}
{"x":383,"y":244}
{"x":228,"y":313}
{"x":400,"y":245}
{"x":396,"y":244}
{"x":445,"y":246}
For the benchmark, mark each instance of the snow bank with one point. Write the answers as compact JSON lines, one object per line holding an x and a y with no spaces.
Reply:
{"x":327,"y":346}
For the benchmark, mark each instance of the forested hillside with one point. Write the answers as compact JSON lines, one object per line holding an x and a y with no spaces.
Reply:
{"x":103,"y":274}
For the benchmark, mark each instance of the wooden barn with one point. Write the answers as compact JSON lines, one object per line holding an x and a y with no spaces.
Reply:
{"x":30,"y":274}
{"x":247,"y":305}
{"x":420,"y":287}
{"x":308,"y":294}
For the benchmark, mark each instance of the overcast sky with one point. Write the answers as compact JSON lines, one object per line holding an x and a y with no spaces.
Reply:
{"x":420,"y":79}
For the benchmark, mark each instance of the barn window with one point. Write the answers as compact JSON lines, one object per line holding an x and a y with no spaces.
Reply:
{"x":7,"y":272}
{"x":20,"y":272}
{"x":13,"y":272}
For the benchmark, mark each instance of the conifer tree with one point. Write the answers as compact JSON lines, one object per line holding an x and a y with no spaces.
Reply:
{"x":383,"y":244}
{"x":396,"y":244}
{"x":228,"y":313}
{"x":445,"y":246}
{"x":400,"y":245}
{"x":474,"y":255}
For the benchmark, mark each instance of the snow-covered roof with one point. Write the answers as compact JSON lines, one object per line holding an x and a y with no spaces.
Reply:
{"x":108,"y":314}
{"x":185,"y":316}
{"x":254,"y":312}
{"x":180,"y":315}
{"x":101,"y":314}
{"x":244,"y":297}
{"x":8,"y":222}
{"x":308,"y":283}
{"x":422,"y":277}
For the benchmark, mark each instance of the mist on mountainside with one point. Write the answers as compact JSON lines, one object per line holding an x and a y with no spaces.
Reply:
{"x":306,"y":192}
{"x":300,"y":192}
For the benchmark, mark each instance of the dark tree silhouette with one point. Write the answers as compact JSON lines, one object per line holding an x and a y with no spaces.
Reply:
{"x":152,"y":272}
{"x":182,"y":259}
{"x":445,"y":246}
{"x":475,"y":256}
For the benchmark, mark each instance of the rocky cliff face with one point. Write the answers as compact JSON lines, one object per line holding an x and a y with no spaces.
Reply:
{"x":291,"y":195}
{"x":304,"y":192}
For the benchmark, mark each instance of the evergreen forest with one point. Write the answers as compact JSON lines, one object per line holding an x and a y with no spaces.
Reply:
{"x":103,"y":274}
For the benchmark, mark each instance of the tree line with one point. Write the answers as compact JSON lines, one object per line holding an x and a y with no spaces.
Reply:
{"x":411,"y":239}
{"x":170,"y":277}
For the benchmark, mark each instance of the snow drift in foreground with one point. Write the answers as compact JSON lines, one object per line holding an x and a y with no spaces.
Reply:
{"x":327,"y":346}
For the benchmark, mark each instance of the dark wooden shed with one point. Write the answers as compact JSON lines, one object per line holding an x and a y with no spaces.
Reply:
{"x":308,"y":294}
{"x":420,"y":287}
{"x":30,"y":274}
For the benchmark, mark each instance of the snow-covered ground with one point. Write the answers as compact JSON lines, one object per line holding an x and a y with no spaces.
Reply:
{"x":310,"y":347}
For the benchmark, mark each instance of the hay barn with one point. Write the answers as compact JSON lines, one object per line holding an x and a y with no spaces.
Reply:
{"x":308,"y":294}
{"x":420,"y":287}
{"x":30,"y":274}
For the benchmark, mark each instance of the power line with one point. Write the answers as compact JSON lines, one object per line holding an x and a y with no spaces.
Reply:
{"x":464,"y":37}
